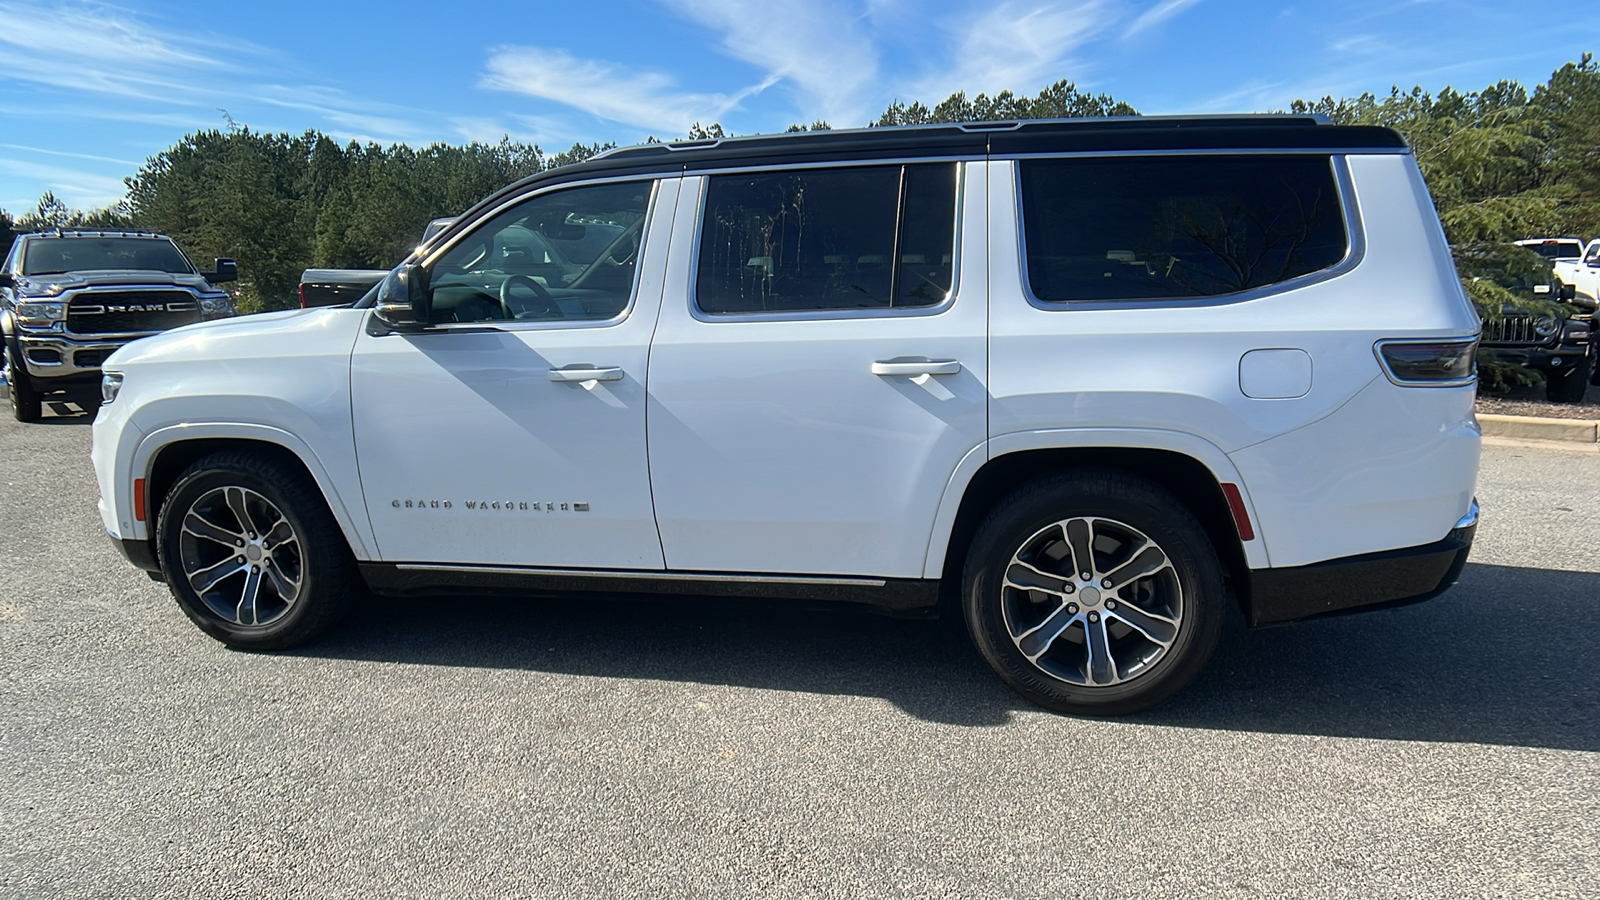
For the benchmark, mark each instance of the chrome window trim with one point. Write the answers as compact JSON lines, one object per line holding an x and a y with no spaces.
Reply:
{"x":1213,"y":151}
{"x":1355,"y":250}
{"x":829,"y":315}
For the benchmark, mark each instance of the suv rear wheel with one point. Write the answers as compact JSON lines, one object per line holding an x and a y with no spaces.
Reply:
{"x":1094,"y":593}
{"x":252,"y":554}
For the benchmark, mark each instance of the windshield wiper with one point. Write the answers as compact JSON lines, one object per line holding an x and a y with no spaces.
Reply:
{"x":51,"y":272}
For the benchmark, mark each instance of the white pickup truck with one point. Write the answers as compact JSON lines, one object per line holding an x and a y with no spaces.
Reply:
{"x":1582,"y":273}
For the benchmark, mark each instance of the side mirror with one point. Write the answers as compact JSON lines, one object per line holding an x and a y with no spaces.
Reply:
{"x":6,"y":280}
{"x":404,"y":299}
{"x":226,"y":270}
{"x":1566,"y":293}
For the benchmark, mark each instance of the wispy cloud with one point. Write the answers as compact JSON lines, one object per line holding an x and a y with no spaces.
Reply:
{"x":100,"y":49}
{"x":1014,"y":46}
{"x":83,"y":190}
{"x":818,"y":47}
{"x":349,"y":118}
{"x":88,"y":156}
{"x":1157,"y":14}
{"x":644,"y":99}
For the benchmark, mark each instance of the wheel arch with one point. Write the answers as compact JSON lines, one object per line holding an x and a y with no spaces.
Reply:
{"x":1194,"y":478}
{"x":164,"y":454}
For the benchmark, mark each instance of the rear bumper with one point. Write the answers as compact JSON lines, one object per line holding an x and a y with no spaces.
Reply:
{"x":1359,"y":583}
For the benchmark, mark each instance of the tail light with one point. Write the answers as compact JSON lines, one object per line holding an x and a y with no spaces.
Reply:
{"x":302,"y":296}
{"x":1438,"y":363}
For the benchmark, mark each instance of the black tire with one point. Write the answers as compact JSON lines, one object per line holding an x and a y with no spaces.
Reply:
{"x":1567,"y":385}
{"x":1181,"y":599}
{"x":26,"y":405}
{"x":312,"y":558}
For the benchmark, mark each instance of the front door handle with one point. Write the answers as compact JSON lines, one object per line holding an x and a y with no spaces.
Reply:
{"x":587,"y":373}
{"x":916,"y":367}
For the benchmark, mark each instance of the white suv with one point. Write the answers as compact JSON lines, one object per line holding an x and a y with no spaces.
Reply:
{"x":1097,"y":378}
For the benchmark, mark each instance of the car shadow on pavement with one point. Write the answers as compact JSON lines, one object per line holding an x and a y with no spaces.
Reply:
{"x":1510,"y":656}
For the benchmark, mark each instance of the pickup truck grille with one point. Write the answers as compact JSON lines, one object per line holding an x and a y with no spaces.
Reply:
{"x":1512,"y":329}
{"x":129,"y":312}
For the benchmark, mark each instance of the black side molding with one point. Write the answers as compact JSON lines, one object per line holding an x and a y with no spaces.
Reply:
{"x":904,"y":597}
{"x":1359,"y":583}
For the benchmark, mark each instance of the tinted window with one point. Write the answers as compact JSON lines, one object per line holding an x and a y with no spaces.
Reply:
{"x":1176,"y":227}
{"x":565,"y":255}
{"x":874,"y":237}
{"x":49,"y":256}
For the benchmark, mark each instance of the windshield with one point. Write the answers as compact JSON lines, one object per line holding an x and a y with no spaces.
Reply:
{"x":53,"y":256}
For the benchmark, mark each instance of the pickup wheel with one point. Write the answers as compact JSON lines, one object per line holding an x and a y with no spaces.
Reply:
{"x":1094,"y":593}
{"x":26,"y":405}
{"x":252,"y":554}
{"x":1567,"y":385}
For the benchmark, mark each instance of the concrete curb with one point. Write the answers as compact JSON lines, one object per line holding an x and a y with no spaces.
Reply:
{"x":1540,"y":429}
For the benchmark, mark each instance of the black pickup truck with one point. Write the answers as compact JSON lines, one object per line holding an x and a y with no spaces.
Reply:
{"x":69,"y":298}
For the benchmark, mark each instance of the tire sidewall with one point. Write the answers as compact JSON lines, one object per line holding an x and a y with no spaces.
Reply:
{"x":1138,"y":505}
{"x":189,"y":488}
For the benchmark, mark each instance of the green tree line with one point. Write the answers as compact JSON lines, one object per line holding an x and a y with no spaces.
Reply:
{"x":1503,"y":163}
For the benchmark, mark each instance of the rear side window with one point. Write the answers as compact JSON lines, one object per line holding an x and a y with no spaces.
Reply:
{"x":1177,"y":227}
{"x":871,"y":237}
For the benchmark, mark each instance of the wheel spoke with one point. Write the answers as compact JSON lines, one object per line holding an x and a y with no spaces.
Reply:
{"x":1032,"y":578}
{"x":1101,"y":668}
{"x":207,"y":578}
{"x":247,"y":598}
{"x":281,"y":533}
{"x":1148,"y":561}
{"x":288,"y":589}
{"x":1079,"y":536}
{"x":200,"y":527}
{"x":1159,"y":629}
{"x":236,"y":502}
{"x":1036,"y":640}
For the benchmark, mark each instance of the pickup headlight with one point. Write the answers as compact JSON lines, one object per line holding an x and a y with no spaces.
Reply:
{"x":1545,"y":326}
{"x":110,"y":386}
{"x":216,"y":306}
{"x":40,"y":312}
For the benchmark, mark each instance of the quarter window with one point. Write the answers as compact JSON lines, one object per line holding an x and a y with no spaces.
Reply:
{"x":569,"y":255}
{"x":1177,"y":227}
{"x":872,"y":237}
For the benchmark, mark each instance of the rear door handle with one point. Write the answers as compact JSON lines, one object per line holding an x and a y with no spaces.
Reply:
{"x":916,"y":367}
{"x":587,"y":373}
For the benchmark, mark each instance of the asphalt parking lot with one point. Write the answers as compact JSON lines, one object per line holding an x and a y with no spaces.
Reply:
{"x":609,"y":747}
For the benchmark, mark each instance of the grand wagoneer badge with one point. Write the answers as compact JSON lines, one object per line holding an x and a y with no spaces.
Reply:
{"x":548,"y":506}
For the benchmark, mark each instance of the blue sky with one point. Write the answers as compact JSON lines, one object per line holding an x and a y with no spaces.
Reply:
{"x":89,"y":91}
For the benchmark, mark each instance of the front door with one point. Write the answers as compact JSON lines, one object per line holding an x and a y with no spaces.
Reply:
{"x":513,"y":431}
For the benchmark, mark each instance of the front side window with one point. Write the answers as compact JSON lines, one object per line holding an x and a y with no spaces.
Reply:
{"x":869,"y":237}
{"x":569,"y":255}
{"x":1177,"y":227}
{"x":54,"y":256}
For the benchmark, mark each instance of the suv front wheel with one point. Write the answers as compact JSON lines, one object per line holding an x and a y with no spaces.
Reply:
{"x":1568,"y":385}
{"x":252,"y":554}
{"x":1093,"y":593}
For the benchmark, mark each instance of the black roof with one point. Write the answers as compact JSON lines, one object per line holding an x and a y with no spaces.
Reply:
{"x":972,"y":139}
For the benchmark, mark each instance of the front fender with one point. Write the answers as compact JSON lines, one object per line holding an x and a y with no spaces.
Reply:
{"x":357,"y":530}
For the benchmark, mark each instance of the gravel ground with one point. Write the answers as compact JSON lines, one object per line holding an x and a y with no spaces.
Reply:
{"x":1531,"y":402}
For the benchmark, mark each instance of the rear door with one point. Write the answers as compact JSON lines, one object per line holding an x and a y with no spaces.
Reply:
{"x":819,"y":370}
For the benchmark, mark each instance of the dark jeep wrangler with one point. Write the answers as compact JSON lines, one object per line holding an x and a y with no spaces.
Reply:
{"x":1551,"y":327}
{"x":70,"y":298}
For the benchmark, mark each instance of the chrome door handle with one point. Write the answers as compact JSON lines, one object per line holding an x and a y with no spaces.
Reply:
{"x":587,"y":373}
{"x":916,"y":367}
